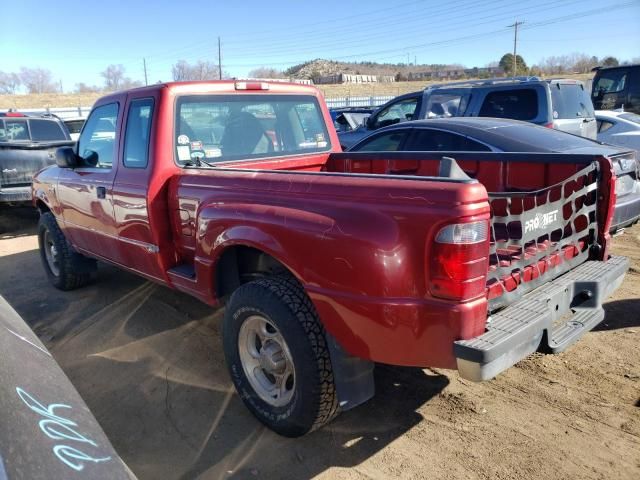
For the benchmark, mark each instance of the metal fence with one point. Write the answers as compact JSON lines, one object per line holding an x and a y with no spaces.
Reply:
{"x":338,"y":102}
{"x":332,"y":102}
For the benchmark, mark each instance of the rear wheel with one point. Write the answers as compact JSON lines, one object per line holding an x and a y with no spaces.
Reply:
{"x":66,"y":269}
{"x":278,"y":357}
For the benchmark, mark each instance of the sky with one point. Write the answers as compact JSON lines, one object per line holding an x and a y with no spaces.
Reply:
{"x":77,"y":39}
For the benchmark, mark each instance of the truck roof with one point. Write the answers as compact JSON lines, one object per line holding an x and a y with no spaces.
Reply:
{"x":224,"y":86}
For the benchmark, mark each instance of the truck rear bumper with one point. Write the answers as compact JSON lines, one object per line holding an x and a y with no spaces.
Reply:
{"x":15,"y":194}
{"x":551,"y":317}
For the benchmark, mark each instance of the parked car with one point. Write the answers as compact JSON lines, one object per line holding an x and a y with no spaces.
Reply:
{"x":561,"y":104}
{"x":74,"y":126}
{"x":237,"y":192}
{"x":503,"y":135}
{"x":27,"y":144}
{"x":349,"y":118}
{"x":619,"y":128}
{"x":617,"y":87}
{"x":47,"y":429}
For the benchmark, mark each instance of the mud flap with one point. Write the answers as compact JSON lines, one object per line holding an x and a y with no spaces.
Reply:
{"x":353,"y":376}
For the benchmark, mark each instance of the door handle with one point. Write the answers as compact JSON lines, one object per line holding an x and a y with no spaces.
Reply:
{"x":101,"y":192}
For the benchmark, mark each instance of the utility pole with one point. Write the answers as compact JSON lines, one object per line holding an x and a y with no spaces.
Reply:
{"x":144,"y":64}
{"x":219,"y":60}
{"x":515,"y":26}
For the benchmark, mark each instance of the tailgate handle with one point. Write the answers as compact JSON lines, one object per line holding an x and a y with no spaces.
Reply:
{"x":101,"y":192}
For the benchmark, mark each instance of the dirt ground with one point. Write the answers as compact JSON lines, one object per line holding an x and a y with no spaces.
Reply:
{"x":148,"y":361}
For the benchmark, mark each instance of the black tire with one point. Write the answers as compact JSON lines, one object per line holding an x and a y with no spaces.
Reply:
{"x":73,"y":270}
{"x":283,"y":302}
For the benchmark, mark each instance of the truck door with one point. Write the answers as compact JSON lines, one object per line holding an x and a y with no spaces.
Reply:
{"x":133,"y":199}
{"x":85,"y":192}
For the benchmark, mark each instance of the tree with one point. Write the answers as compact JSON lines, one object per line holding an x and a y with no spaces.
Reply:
{"x":183,"y":71}
{"x":180,"y":71}
{"x":84,"y":88}
{"x":266,"y":72}
{"x":114,"y":79}
{"x":113,"y":76}
{"x":9,"y":82}
{"x":582,"y":63}
{"x":610,"y":61}
{"x":37,"y":80}
{"x":506,"y":63}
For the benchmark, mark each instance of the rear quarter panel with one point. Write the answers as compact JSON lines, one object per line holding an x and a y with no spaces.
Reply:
{"x":357,"y":244}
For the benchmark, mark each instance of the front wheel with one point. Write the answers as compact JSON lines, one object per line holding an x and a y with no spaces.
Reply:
{"x":278,"y":356}
{"x":65,"y":268}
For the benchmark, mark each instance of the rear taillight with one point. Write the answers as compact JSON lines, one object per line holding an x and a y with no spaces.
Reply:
{"x":548,"y":125}
{"x":459,"y":260}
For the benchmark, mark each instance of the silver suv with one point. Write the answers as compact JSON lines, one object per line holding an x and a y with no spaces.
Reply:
{"x":562,"y":104}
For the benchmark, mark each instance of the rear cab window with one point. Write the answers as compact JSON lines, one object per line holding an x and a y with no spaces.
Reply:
{"x":570,"y":101}
{"x":609,"y":81}
{"x":46,"y":131}
{"x":217,"y":128}
{"x":14,"y":130}
{"x":517,"y":104}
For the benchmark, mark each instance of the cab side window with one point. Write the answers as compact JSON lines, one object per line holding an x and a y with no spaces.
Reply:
{"x":401,"y":111}
{"x":97,"y":142}
{"x":386,"y":142}
{"x":136,"y":138}
{"x":520,"y":104}
{"x":429,"y":140}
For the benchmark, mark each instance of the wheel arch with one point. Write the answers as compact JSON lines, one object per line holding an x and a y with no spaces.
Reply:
{"x":241,"y":262}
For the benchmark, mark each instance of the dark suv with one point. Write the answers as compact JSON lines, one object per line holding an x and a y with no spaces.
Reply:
{"x":559,"y":103}
{"x":27,"y":144}
{"x":617,"y":87}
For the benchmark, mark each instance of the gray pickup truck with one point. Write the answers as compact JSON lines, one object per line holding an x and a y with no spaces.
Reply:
{"x":27,"y":144}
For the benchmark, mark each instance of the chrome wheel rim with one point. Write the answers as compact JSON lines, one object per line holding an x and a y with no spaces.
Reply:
{"x":266,"y":360}
{"x":51,"y":254}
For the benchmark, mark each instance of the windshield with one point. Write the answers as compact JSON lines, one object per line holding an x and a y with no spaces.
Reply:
{"x":237,"y":127}
{"x":610,"y":81}
{"x":570,"y":100}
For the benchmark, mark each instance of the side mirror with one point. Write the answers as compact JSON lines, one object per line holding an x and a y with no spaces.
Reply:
{"x":66,"y":157}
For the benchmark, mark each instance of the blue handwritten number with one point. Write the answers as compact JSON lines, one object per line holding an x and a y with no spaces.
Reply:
{"x":59,"y":428}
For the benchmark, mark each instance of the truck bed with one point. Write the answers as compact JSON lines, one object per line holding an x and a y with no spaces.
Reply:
{"x":383,"y":207}
{"x":520,"y":188}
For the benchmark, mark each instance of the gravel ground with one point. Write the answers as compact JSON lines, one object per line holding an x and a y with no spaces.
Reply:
{"x":148,"y":361}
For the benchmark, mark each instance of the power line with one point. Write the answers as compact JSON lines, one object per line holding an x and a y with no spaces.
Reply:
{"x":472,"y":23}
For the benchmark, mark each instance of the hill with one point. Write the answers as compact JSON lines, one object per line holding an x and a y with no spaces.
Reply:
{"x":320,"y":68}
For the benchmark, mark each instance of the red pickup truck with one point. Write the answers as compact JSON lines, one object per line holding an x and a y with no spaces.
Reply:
{"x":237,"y":192}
